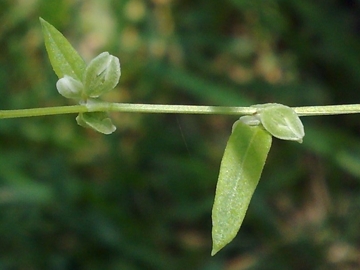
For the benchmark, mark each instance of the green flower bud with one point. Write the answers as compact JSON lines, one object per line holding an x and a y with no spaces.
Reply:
{"x":69,"y":87}
{"x":101,"y":75}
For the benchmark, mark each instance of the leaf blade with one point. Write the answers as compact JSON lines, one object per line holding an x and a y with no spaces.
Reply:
{"x":243,"y":161}
{"x":63,"y":57}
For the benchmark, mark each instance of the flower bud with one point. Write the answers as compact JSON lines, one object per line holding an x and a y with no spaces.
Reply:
{"x":101,"y":75}
{"x":69,"y":87}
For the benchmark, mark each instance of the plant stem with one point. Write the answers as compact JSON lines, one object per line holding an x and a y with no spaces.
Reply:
{"x":327,"y":110}
{"x":42,"y":111}
{"x":180,"y":109}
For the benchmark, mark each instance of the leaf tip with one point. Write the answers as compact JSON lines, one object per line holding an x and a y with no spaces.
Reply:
{"x":214,"y":251}
{"x":220,"y":242}
{"x":42,"y":21}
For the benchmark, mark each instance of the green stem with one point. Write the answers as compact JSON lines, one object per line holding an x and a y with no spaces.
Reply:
{"x":327,"y":110}
{"x":42,"y":111}
{"x":180,"y":109}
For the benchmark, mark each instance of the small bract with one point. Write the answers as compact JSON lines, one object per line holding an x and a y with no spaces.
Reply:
{"x":281,"y":121}
{"x":101,"y":75}
{"x":69,"y":87}
{"x":98,"y":121}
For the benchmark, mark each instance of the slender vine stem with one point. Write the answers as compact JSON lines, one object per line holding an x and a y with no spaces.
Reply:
{"x":180,"y":109}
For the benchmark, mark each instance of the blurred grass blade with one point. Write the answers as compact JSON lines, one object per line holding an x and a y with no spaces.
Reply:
{"x":32,"y":193}
{"x":63,"y":57}
{"x":241,"y":166}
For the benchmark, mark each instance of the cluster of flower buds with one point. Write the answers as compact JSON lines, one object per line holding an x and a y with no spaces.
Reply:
{"x":100,"y":76}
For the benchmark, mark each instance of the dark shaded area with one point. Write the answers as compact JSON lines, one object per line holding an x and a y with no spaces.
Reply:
{"x":141,"y":198}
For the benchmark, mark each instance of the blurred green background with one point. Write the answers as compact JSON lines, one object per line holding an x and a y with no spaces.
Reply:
{"x":141,"y":198}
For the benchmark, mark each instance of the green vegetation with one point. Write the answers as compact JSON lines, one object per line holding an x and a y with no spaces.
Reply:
{"x":141,"y":197}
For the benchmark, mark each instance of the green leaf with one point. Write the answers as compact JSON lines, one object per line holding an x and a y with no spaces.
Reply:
{"x":63,"y":57}
{"x":98,"y":121}
{"x":281,"y":121}
{"x":241,"y":166}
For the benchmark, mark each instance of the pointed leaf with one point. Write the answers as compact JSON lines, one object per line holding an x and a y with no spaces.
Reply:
{"x":63,"y":57}
{"x":98,"y":121}
{"x":241,"y":166}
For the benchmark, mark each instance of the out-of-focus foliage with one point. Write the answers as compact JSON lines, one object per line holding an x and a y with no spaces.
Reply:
{"x":141,"y":198}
